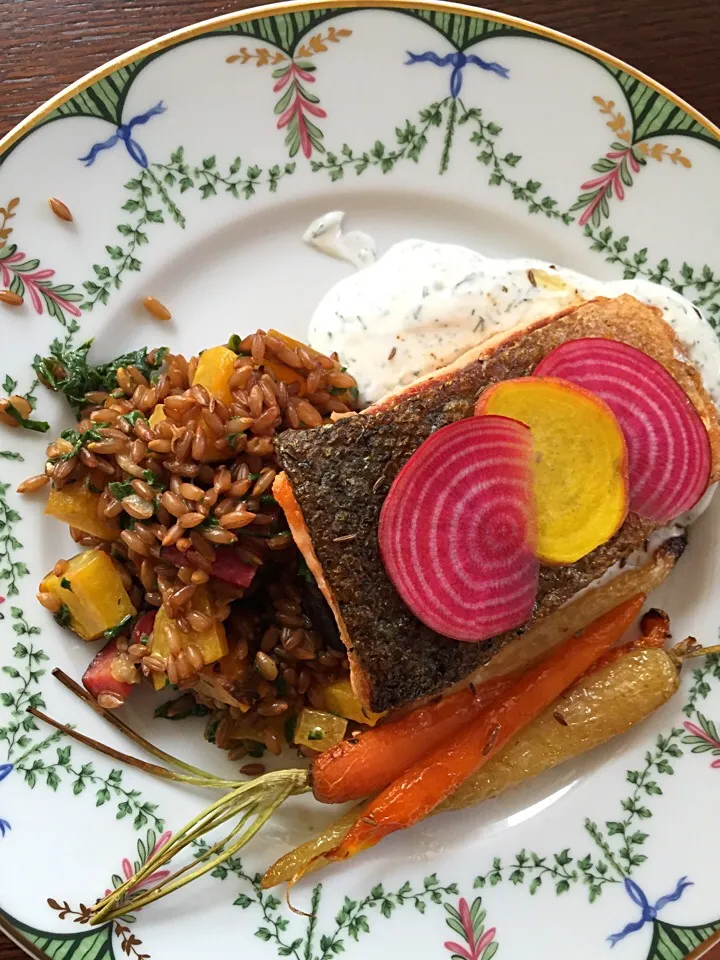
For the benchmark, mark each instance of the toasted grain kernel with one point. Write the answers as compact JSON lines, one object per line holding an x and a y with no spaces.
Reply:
{"x":10,"y":299}
{"x":194,"y":657}
{"x":60,"y":209}
{"x":191,"y":520}
{"x":33,"y":483}
{"x":190,"y":491}
{"x":266,"y":666}
{"x":138,"y":508}
{"x":110,"y":701}
{"x":253,"y":769}
{"x":50,"y":601}
{"x":236,"y":519}
{"x":156,"y":309}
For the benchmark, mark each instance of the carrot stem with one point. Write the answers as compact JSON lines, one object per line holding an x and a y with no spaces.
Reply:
{"x":434,"y":777}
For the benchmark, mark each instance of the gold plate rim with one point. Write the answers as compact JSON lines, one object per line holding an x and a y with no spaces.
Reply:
{"x":169,"y":40}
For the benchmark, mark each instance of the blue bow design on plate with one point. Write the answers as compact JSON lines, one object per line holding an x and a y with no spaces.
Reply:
{"x":649,"y":913}
{"x":124,"y":134}
{"x":5,"y":770}
{"x":458,"y":61}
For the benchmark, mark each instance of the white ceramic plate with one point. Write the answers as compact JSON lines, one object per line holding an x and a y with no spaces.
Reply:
{"x":392,"y":114}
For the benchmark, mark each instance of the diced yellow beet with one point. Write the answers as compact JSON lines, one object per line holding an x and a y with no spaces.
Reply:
{"x":77,"y":506}
{"x":157,"y":415}
{"x":293,"y":344}
{"x":212,"y":643}
{"x":340,"y":699}
{"x":319,"y":730}
{"x":214,"y":370}
{"x":286,"y":374}
{"x":93,"y":592}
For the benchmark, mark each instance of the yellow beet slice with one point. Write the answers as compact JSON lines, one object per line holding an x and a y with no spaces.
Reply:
{"x":157,"y":415}
{"x":581,"y":473}
{"x":212,"y":643}
{"x":214,"y":370}
{"x":77,"y":506}
{"x":340,"y":700}
{"x":319,"y":730}
{"x":93,"y":593}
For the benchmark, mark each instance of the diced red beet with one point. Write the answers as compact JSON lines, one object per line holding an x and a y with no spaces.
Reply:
{"x":144,"y":626}
{"x":98,"y":677}
{"x":228,"y":566}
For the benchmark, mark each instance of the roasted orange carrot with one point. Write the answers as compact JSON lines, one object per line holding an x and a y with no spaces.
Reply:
{"x":433,"y":778}
{"x":362,"y":766}
{"x":654,"y":632}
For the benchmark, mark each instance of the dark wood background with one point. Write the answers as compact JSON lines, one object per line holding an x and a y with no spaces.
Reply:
{"x":47,"y":44}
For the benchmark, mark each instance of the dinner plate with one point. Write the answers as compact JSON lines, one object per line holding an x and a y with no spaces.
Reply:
{"x":191,"y":167}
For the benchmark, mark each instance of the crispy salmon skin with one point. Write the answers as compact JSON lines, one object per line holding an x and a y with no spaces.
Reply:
{"x":338,"y":476}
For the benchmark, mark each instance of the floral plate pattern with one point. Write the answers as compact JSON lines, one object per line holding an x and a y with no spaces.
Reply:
{"x":191,"y":167}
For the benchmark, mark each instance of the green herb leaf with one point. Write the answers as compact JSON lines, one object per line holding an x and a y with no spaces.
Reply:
{"x":119,"y":628}
{"x":39,"y":426}
{"x":78,"y":441}
{"x":211,"y":730}
{"x":62,"y":617}
{"x":68,"y":371}
{"x":133,"y":417}
{"x":65,"y":584}
{"x":190,"y":708}
{"x":316,"y":734}
{"x":121,"y":490}
{"x":289,"y":728}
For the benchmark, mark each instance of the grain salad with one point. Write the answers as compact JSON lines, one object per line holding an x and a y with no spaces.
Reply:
{"x":166,"y":485}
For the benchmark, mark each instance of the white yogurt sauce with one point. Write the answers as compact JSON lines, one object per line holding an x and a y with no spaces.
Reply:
{"x":326,"y":234}
{"x":423,"y":304}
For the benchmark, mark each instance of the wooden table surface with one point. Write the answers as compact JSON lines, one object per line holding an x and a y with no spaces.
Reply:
{"x":47,"y":44}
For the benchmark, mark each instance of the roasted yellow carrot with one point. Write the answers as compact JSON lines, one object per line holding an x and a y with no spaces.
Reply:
{"x":602,"y":705}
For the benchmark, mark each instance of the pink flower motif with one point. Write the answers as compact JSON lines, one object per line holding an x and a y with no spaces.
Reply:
{"x":610,"y":183}
{"x":129,"y":870}
{"x":477,"y":940}
{"x":300,"y":104}
{"x":706,"y":735}
{"x":36,"y":283}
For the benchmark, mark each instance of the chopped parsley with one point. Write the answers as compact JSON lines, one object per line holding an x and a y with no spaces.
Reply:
{"x":63,"y":617}
{"x":119,"y":628}
{"x":66,"y":585}
{"x":186,"y":707}
{"x":68,"y":371}
{"x":289,"y":728}
{"x":121,"y":490}
{"x":39,"y":426}
{"x":77,"y":442}
{"x":133,"y":417}
{"x":304,"y":572}
{"x":316,"y":734}
{"x":211,"y":730}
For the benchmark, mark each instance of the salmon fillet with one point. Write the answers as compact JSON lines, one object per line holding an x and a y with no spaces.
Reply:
{"x":337,"y":477}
